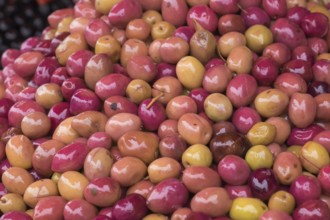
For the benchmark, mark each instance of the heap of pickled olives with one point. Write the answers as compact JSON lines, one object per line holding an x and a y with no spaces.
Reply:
{"x":169,"y":110}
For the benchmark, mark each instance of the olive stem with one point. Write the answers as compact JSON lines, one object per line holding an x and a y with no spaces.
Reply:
{"x":154,"y":99}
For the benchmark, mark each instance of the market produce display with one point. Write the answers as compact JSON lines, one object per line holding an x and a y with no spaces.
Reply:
{"x":169,"y":109}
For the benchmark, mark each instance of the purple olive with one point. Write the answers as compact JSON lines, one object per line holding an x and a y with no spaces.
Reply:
{"x":132,"y":207}
{"x":167,"y":196}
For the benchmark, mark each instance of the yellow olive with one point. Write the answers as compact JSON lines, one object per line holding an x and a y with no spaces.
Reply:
{"x":197,"y":155}
{"x":138,"y":90}
{"x":320,"y":9}
{"x":163,"y":168}
{"x":98,"y":163}
{"x":323,"y":56}
{"x":152,"y":17}
{"x":259,"y":156}
{"x":258,"y":37}
{"x":64,"y":25}
{"x":48,"y":94}
{"x":19,"y":151}
{"x":71,"y":44}
{"x":39,"y":189}
{"x":55,"y":177}
{"x":12,"y":202}
{"x":107,"y":44}
{"x":154,"y":216}
{"x":314,"y":156}
{"x":162,"y":30}
{"x":71,"y":185}
{"x":218,"y":107}
{"x":271,"y":102}
{"x":282,"y":201}
{"x":296,"y":149}
{"x":104,"y":6}
{"x":190,"y":72}
{"x":261,"y":133}
{"x":64,"y":131}
{"x":247,"y":209}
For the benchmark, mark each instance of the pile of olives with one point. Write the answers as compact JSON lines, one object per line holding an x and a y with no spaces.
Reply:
{"x":169,"y":109}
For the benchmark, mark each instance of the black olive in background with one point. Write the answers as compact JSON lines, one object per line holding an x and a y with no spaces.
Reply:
{"x":20,"y":19}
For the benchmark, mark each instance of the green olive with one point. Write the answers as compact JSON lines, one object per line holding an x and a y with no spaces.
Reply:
{"x":259,"y":156}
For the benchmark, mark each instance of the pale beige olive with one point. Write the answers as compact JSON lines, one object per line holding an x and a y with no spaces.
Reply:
{"x":120,"y":123}
{"x":35,"y":125}
{"x":283,"y":128}
{"x":39,"y":189}
{"x":166,"y":88}
{"x":196,"y":178}
{"x":89,"y":122}
{"x":64,"y":131}
{"x":181,"y":213}
{"x":16,"y":179}
{"x":173,"y":49}
{"x":98,"y":163}
{"x":218,"y":107}
{"x":240,"y":60}
{"x":138,"y":28}
{"x":128,"y":171}
{"x":302,"y":109}
{"x":19,"y":151}
{"x":229,"y":41}
{"x":154,"y":50}
{"x":12,"y":202}
{"x":323,"y":106}
{"x":271,"y":102}
{"x":97,"y":67}
{"x":163,"y":168}
{"x":287,"y":167}
{"x":179,"y":106}
{"x":130,"y":48}
{"x":213,"y":201}
{"x":48,"y":95}
{"x":140,"y":144}
{"x":71,"y":185}
{"x":194,"y":129}
{"x":78,"y":25}
{"x":143,"y":187}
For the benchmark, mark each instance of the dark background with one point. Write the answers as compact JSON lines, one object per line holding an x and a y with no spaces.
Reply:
{"x":20,"y":19}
